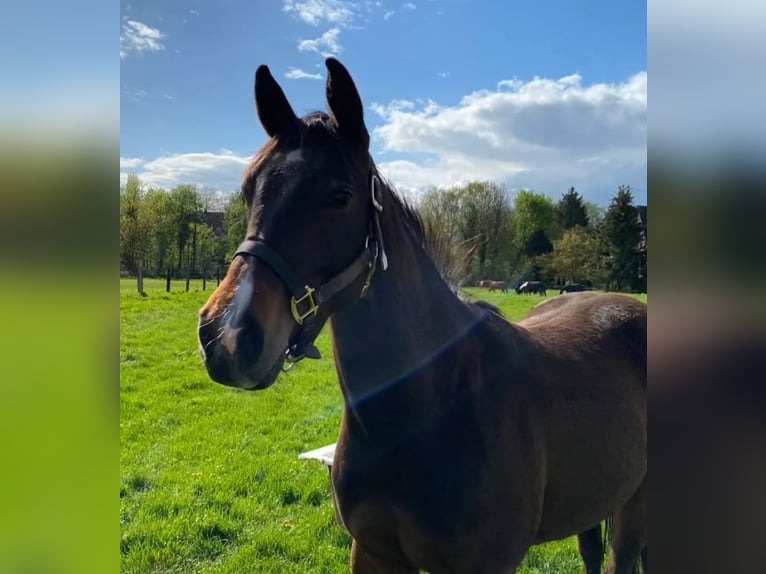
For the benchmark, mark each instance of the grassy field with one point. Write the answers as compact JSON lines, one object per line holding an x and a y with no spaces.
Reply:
{"x":209,"y":476}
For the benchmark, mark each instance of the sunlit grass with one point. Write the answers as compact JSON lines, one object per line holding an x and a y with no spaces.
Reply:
{"x":210,"y":479}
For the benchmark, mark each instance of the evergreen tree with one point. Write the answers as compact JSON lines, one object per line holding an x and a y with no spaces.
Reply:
{"x":621,"y":235}
{"x":570,"y":210}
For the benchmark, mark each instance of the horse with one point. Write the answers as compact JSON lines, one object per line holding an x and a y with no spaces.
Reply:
{"x":465,"y":438}
{"x":496,"y":286}
{"x":532,"y":287}
{"x":573,"y":288}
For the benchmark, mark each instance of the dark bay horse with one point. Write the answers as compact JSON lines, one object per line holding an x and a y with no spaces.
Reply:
{"x":465,"y":438}
{"x":532,"y":288}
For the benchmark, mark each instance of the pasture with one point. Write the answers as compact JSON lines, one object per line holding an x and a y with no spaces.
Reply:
{"x":209,"y":476}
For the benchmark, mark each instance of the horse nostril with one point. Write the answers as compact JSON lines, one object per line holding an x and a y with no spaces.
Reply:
{"x":249,"y":341}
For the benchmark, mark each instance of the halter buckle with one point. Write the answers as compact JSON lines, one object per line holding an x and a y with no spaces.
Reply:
{"x":312,"y":310}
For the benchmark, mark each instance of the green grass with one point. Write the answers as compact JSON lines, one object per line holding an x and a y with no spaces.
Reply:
{"x":209,"y":476}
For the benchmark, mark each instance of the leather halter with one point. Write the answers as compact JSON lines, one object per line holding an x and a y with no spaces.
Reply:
{"x":306,"y":300}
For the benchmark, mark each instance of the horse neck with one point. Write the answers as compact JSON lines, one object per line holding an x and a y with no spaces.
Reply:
{"x":390,"y":346}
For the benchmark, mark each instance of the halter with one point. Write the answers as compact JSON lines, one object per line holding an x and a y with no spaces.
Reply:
{"x":306,"y":300}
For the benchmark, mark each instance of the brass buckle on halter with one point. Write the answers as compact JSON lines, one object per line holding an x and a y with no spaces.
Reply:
{"x":313,"y":307}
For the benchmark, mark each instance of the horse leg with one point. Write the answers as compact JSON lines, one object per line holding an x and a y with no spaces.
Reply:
{"x":628,"y":534}
{"x":591,"y":549}
{"x":364,"y":563}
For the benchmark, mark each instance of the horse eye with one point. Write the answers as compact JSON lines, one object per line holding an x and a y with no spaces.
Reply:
{"x":341,"y":199}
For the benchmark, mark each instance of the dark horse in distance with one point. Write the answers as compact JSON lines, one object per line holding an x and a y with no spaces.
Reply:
{"x":465,"y":438}
{"x":573,"y":288}
{"x":532,"y":288}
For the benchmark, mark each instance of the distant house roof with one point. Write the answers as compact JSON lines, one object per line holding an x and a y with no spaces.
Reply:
{"x":215,"y":220}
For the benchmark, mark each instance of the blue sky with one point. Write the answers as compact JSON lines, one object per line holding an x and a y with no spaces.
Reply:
{"x":543,"y":94}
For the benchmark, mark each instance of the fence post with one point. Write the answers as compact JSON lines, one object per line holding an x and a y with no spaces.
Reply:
{"x":167,"y":283}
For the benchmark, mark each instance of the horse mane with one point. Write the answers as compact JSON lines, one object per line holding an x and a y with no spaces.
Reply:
{"x":451,"y":259}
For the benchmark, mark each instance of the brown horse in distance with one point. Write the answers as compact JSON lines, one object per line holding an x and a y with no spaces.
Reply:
{"x":465,"y":438}
{"x":496,"y":286}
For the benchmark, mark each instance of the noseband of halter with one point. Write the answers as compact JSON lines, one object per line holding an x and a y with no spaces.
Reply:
{"x":306,"y":300}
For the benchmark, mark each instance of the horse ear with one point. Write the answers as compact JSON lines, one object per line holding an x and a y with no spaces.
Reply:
{"x":344,"y":102}
{"x":273,"y":109}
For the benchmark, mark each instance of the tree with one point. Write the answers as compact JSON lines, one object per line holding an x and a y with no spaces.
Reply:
{"x":577,"y":256}
{"x":442,"y":210}
{"x":486,"y":210}
{"x":533,"y":212}
{"x":537,"y":244}
{"x":595,"y":214}
{"x":209,"y":250}
{"x":234,"y":224}
{"x":186,"y":209}
{"x":477,"y":212}
{"x":158,"y":208}
{"x":211,"y":199}
{"x":570,"y":210}
{"x":621,"y":235}
{"x":134,"y":242}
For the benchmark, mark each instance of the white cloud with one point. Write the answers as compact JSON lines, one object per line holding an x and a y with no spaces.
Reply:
{"x":316,"y":12}
{"x":221,"y":171}
{"x":137,"y":37}
{"x":408,"y":6}
{"x":546,"y":134}
{"x":442,"y":74}
{"x":194,"y":12}
{"x":327,"y":41}
{"x":388,"y":14}
{"x":130,"y":163}
{"x":298,"y":74}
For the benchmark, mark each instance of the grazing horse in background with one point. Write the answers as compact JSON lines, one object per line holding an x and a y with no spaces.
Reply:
{"x":496,"y":286}
{"x":465,"y":438}
{"x":532,"y":287}
{"x":573,"y":288}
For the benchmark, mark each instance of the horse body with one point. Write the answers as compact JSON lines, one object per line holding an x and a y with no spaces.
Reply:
{"x":496,"y":286}
{"x":532,"y":287}
{"x":449,"y":479}
{"x":465,"y":438}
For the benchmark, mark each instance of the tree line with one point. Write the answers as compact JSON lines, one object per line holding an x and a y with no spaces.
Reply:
{"x":191,"y":232}
{"x":532,"y":237}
